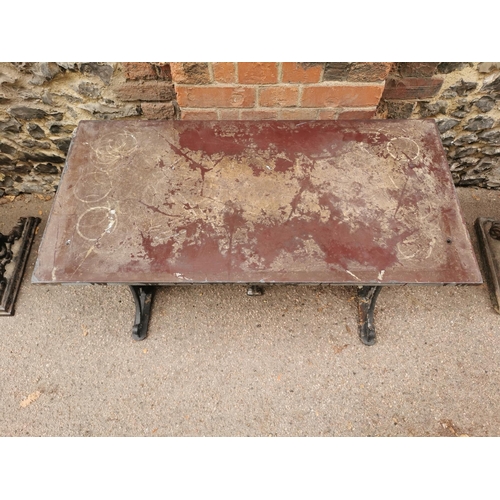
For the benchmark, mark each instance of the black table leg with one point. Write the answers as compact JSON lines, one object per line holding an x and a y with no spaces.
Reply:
{"x":143,"y":297}
{"x":253,"y":290}
{"x":367,"y":296}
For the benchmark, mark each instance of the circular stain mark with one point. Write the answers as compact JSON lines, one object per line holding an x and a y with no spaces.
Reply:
{"x":112,"y":147}
{"x":96,"y":222}
{"x":92,"y":187}
{"x":402,"y":148}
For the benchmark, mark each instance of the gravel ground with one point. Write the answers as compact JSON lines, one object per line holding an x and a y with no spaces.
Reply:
{"x":220,"y":363}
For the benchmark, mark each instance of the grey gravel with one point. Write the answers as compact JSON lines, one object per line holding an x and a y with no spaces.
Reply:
{"x":220,"y":363}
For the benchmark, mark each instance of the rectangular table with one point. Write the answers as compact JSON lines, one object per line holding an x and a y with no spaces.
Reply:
{"x":364,"y":203}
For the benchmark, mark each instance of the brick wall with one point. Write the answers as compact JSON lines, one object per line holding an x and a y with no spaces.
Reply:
{"x":271,"y":90}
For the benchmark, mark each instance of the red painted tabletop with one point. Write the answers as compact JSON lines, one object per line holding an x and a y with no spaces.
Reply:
{"x":341,"y":202}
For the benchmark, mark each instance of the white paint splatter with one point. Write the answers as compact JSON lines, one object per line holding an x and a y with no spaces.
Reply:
{"x":352,"y":274}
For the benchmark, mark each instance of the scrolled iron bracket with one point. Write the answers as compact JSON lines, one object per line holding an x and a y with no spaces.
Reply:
{"x":14,"y":251}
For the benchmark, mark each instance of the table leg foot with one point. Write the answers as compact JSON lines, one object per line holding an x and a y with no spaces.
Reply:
{"x":367,"y":296}
{"x":254,"y":290}
{"x":143,"y":298}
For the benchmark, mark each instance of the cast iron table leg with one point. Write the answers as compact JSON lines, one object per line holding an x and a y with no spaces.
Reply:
{"x":253,"y":290}
{"x":143,"y":297}
{"x":367,"y":296}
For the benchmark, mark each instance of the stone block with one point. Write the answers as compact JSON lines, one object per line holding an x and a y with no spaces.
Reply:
{"x":5,"y":148}
{"x":428,"y":109}
{"x":46,"y":168}
{"x":492,"y":83}
{"x":30,"y":143}
{"x":11,"y":125}
{"x":445,"y":125}
{"x":449,"y":67}
{"x":58,"y":128}
{"x":462,"y":87}
{"x":488,"y":67}
{"x":89,"y":89}
{"x":35,"y":131}
{"x":485,"y":104}
{"x":461,"y":140}
{"x":102,"y":70}
{"x":491,"y":137}
{"x":62,"y":144}
{"x":479,"y":123}
{"x":27,"y":113}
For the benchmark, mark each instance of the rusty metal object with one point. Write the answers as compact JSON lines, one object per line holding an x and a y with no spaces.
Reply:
{"x":363,"y":203}
{"x":489,"y":246}
{"x":14,"y":251}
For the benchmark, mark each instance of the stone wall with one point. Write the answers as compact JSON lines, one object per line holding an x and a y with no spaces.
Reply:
{"x":42,"y":103}
{"x":464,"y":99}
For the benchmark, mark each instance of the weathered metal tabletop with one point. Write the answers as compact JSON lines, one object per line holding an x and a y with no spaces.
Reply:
{"x":340,"y":202}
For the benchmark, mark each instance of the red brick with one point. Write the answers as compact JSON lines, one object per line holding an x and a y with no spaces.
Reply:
{"x":224,"y":72}
{"x":298,"y":114}
{"x":190,"y":73}
{"x":146,"y":91}
{"x":215,"y":97}
{"x":417,"y":69}
{"x":328,"y":114}
{"x":229,"y":114}
{"x":163,"y":70}
{"x":261,"y":73}
{"x":411,"y":88}
{"x":278,"y":96}
{"x":139,"y":71}
{"x":259,"y":114}
{"x":356,"y":71}
{"x":341,"y":95}
{"x":195,"y":114}
{"x":357,"y":114}
{"x":300,"y":73}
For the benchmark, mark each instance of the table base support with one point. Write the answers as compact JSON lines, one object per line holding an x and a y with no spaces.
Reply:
{"x":143,"y":298}
{"x":255,"y":290}
{"x":367,"y":296}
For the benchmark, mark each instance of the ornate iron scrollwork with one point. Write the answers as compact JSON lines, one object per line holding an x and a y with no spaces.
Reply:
{"x":13,"y":258}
